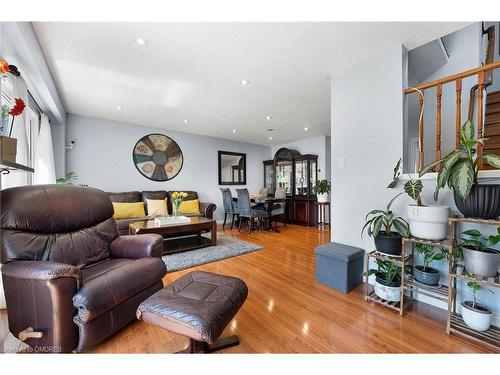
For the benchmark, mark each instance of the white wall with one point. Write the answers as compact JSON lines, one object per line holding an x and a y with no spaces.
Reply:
{"x":367,"y":133}
{"x":102,"y":157}
{"x":316,"y":146}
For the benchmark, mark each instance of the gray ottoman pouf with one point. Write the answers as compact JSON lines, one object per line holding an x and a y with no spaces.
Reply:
{"x":339,"y":266}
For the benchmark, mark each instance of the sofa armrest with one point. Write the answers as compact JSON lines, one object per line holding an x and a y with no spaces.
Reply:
{"x":41,"y":270}
{"x":207,"y":209}
{"x":39,"y":295}
{"x":138,"y":246}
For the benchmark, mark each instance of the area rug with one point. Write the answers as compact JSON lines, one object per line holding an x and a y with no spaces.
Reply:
{"x":227,"y":247}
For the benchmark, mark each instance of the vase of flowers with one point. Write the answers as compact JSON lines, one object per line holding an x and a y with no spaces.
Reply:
{"x":177,"y":198}
{"x":8,"y":145}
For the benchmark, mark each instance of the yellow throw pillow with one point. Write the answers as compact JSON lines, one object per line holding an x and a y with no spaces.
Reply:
{"x":128,"y":210}
{"x":157,"y":207}
{"x":190,"y":207}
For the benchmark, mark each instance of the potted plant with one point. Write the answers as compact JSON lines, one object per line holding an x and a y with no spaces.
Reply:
{"x":177,"y":198}
{"x":479,"y":256}
{"x":387,"y":280}
{"x":67,"y":179}
{"x":429,"y":222}
{"x":459,"y":171}
{"x":475,"y":315}
{"x":423,"y":273}
{"x":379,"y":224}
{"x":8,"y":145}
{"x":322,"y":188}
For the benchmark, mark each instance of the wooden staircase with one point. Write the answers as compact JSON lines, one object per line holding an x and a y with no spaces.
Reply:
{"x":492,"y":123}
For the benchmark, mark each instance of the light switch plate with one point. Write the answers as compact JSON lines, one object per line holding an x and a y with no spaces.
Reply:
{"x":341,"y":162}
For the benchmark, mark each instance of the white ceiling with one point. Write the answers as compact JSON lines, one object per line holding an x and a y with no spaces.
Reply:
{"x":193,"y":71}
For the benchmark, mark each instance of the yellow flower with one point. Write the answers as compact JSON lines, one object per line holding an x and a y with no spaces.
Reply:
{"x":185,"y":195}
{"x":174,"y":195}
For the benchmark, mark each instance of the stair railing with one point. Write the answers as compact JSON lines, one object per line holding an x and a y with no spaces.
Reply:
{"x":457,"y":78}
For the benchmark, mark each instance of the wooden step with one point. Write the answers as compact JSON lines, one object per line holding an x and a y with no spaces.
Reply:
{"x":492,"y":130}
{"x":492,"y":141}
{"x":491,"y":118}
{"x":493,"y":97}
{"x":493,"y":108}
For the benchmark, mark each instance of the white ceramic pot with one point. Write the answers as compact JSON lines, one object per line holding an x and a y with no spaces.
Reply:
{"x":479,"y":318}
{"x":389,"y":293}
{"x":322,"y":198}
{"x":429,"y":222}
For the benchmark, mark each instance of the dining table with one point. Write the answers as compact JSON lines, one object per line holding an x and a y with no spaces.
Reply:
{"x":266,"y":204}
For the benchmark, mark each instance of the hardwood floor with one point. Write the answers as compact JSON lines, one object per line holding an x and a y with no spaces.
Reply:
{"x":287,"y":311}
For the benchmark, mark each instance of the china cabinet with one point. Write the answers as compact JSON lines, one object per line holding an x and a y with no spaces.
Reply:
{"x":297,"y":174}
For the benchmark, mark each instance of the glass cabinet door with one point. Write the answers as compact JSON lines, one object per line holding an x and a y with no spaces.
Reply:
{"x":301,"y":177}
{"x":284,"y":176}
{"x":313,"y":175}
{"x":268,"y":175}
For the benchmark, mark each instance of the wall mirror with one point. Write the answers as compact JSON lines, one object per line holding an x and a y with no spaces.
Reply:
{"x":232,"y":168}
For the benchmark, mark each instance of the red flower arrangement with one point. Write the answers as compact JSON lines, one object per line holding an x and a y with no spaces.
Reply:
{"x":18,"y":107}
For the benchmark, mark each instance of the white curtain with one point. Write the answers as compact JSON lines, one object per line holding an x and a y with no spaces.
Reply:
{"x":45,"y":172}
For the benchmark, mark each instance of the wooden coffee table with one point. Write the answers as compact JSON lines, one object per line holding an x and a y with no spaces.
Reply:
{"x":182,"y":236}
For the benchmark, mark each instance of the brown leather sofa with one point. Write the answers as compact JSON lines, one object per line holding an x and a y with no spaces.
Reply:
{"x":66,"y":272}
{"x":206,"y":209}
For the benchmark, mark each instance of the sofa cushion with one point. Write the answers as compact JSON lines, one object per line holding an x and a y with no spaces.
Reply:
{"x":190,"y":207}
{"x":128,"y":210}
{"x":157,"y":207}
{"x":128,"y":196}
{"x":154,"y":194}
{"x":111,"y":282}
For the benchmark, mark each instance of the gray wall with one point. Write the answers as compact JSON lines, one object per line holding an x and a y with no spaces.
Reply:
{"x":102,"y":157}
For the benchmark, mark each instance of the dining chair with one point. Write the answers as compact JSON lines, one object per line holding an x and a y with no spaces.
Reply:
{"x":230,"y":206}
{"x":247,"y":212}
{"x":264,"y":193}
{"x":279,"y":208}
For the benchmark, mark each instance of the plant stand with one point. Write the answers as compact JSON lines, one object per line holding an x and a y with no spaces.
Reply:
{"x":370,"y":295}
{"x":444,"y":293}
{"x":455,"y":323}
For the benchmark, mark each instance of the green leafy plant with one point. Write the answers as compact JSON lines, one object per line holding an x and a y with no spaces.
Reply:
{"x":322,"y":187}
{"x":474,"y":288}
{"x":380,"y":220}
{"x":388,"y":269}
{"x":68,"y":179}
{"x":474,"y":239}
{"x":459,"y":168}
{"x":412,"y":187}
{"x":429,"y":254}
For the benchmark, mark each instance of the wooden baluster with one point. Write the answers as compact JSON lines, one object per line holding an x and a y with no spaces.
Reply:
{"x":458,"y":116}
{"x":421,"y":135}
{"x":480,"y":89}
{"x":439,"y":93}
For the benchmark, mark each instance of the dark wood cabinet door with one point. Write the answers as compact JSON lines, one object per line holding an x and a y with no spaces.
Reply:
{"x":301,"y":211}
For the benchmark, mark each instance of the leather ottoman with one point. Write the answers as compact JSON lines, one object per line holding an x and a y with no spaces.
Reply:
{"x":199,"y":305}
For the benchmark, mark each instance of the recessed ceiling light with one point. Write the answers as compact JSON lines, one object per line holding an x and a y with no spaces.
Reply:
{"x":270,"y":138}
{"x":245,"y":82}
{"x":118,"y":107}
{"x":234,"y":130}
{"x":306,"y":129}
{"x":270,"y":130}
{"x":186,"y":121}
{"x":269,"y":118}
{"x":141,"y":41}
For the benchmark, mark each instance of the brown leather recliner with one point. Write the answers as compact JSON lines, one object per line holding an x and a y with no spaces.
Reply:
{"x":66,"y":272}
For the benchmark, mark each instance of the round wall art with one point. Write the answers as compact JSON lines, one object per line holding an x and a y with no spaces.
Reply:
{"x":158,"y":157}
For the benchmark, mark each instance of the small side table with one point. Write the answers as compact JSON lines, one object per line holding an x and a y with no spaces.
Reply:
{"x":322,"y":206}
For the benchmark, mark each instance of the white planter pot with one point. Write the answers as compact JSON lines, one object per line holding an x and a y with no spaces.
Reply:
{"x":322,"y":198}
{"x":477,"y":319}
{"x":429,"y":222}
{"x":389,"y":293}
